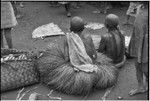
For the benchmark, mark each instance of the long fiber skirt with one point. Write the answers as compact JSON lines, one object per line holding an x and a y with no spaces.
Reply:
{"x":61,"y":76}
{"x":57,"y":72}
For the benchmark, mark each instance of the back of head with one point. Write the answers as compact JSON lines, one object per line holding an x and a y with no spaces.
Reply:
{"x":76,"y":24}
{"x":111,"y":21}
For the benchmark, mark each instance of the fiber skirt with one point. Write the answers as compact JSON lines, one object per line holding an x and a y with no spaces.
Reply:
{"x":57,"y":72}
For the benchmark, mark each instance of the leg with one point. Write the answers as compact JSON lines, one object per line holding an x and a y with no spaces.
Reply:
{"x":145,"y":71}
{"x":7,"y":33}
{"x":139,"y":74}
{"x":67,"y":7}
{"x":77,"y":5}
{"x":54,"y":4}
{"x":21,"y":4}
{"x":106,"y":7}
{"x":2,"y":44}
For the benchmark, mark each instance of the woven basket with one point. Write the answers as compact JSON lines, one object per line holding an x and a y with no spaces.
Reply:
{"x":17,"y":72}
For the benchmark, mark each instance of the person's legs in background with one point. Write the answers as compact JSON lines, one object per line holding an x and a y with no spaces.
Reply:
{"x":67,"y":7}
{"x":139,"y":74}
{"x":146,"y":74}
{"x":54,"y":4}
{"x":77,"y":4}
{"x":21,"y":4}
{"x":107,"y":7}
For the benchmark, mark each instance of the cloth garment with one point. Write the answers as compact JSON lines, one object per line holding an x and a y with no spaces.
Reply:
{"x":8,"y":18}
{"x":138,"y":46}
{"x":77,"y":53}
{"x":134,"y":9}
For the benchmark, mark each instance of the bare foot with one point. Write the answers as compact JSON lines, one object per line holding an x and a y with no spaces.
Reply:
{"x":137,"y":91}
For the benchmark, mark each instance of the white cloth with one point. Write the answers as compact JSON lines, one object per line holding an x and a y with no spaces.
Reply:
{"x":50,"y":29}
{"x":8,"y":19}
{"x":77,"y":54}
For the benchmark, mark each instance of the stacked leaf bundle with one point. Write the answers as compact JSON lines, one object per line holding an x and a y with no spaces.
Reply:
{"x":57,"y":72}
{"x":17,"y":69}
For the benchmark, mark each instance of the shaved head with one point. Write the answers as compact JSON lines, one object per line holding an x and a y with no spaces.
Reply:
{"x":111,"y":21}
{"x":76,"y":24}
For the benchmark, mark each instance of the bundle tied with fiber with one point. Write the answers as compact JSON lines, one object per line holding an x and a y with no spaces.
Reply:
{"x":56,"y":70}
{"x":18,"y":69}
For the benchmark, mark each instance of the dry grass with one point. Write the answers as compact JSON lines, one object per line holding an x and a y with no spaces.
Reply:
{"x":58,"y":73}
{"x":107,"y":73}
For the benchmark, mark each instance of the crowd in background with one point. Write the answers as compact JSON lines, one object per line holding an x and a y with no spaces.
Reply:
{"x":138,"y":47}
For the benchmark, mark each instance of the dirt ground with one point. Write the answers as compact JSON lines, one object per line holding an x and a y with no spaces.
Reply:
{"x":39,"y":13}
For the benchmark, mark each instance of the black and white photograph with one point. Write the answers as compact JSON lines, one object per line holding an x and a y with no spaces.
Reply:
{"x":75,"y":50}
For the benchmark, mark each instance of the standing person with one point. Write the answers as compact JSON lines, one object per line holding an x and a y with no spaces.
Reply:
{"x":8,"y":21}
{"x":113,"y":42}
{"x":67,"y":7}
{"x":132,"y":11}
{"x":138,"y":48}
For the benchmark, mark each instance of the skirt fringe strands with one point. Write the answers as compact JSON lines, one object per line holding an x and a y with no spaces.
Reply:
{"x":57,"y":72}
{"x":68,"y":81}
{"x":107,"y":72}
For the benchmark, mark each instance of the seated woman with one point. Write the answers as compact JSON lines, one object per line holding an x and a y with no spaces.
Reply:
{"x":113,"y":43}
{"x":69,"y":64}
